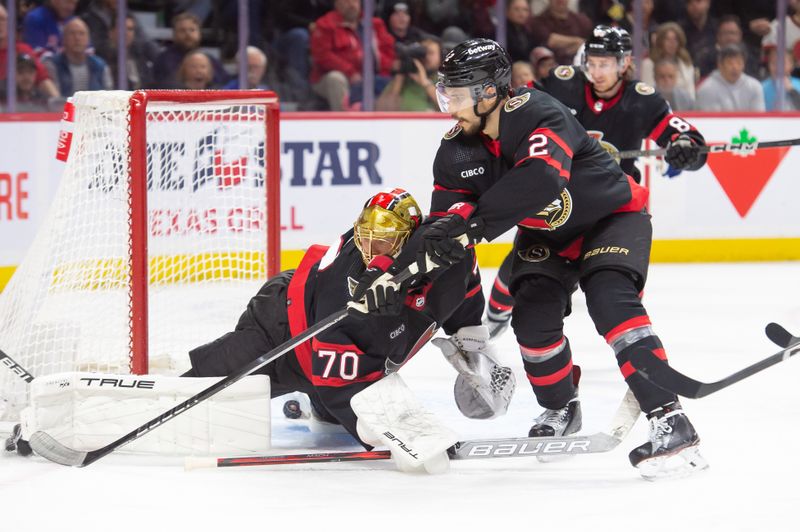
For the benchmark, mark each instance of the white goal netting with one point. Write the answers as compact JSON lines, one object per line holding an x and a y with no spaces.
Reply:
{"x":68,"y":306}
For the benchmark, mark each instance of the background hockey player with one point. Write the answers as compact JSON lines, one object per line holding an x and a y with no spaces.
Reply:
{"x":348,"y":358}
{"x":620,"y":112}
{"x":582,"y":221}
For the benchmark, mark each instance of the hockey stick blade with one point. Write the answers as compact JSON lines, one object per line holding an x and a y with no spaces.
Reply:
{"x":48,"y":447}
{"x":780,"y":336}
{"x":15,"y":368}
{"x":601,"y":442}
{"x":664,"y":376}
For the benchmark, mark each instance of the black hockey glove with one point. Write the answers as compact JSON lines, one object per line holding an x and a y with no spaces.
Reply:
{"x":682,"y":152}
{"x":375,"y":293}
{"x":446,"y":240}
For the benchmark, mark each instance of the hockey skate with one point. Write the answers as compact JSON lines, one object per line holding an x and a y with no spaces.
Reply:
{"x":560,"y":422}
{"x":674,"y":447}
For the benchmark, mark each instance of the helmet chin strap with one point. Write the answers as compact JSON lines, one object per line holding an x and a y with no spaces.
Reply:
{"x":483,"y":116}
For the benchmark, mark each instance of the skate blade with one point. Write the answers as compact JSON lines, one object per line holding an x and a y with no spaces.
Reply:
{"x":679,"y":464}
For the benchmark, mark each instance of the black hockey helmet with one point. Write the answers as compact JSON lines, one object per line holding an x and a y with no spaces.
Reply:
{"x":608,"y":41}
{"x":476,"y":64}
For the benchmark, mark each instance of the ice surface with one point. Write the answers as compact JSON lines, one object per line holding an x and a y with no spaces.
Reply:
{"x":710,"y":318}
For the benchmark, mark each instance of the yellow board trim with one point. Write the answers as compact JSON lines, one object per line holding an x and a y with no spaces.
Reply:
{"x":492,"y":255}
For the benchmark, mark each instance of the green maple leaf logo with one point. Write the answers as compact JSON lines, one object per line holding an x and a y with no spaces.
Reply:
{"x":744,"y":138}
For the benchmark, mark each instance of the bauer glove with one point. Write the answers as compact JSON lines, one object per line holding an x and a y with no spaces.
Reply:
{"x":446,"y":240}
{"x":682,"y":152}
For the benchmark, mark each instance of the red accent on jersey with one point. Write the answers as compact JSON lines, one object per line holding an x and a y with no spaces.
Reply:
{"x":627,"y":368}
{"x":473,"y":292}
{"x":605,"y":105}
{"x":550,"y":134}
{"x":573,"y":251}
{"x":659,"y":129}
{"x":456,"y":190}
{"x":552,"y":162}
{"x":625,"y":326}
{"x":541,"y":351}
{"x":639,"y":195}
{"x":337,"y":382}
{"x":317,"y":345}
{"x":296,"y":307}
{"x":462,"y":208}
{"x":437,"y":214}
{"x":381,"y":262}
{"x":553,"y":378}
{"x":493,"y":145}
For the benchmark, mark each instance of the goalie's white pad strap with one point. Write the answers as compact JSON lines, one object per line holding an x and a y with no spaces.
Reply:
{"x":89,"y":410}
{"x":390,"y":415}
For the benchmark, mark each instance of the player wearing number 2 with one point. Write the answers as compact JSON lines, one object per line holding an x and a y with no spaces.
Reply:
{"x":526,"y":161}
{"x":620,"y":112}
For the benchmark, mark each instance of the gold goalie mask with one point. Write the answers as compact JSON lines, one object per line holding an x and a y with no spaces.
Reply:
{"x":385,"y":223}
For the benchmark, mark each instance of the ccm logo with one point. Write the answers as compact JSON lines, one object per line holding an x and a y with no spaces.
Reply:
{"x":473,"y":172}
{"x":119,"y":383}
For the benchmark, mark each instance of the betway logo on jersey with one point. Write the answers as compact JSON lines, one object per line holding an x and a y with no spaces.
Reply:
{"x":479,"y":49}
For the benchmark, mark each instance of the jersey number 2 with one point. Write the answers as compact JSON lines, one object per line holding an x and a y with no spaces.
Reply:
{"x":538,"y":145}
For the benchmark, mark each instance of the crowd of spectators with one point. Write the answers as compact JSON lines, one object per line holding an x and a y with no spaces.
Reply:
{"x":715,"y":55}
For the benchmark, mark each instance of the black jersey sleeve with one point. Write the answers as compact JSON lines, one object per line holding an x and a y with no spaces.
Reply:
{"x":666,"y":125}
{"x":452,"y":164}
{"x":538,"y":138}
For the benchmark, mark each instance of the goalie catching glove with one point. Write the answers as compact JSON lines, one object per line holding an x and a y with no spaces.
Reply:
{"x":483,"y":388}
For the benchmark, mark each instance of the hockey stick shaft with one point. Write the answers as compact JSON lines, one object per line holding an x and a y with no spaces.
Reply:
{"x":302,"y":458}
{"x":15,"y":368}
{"x":713,"y":148}
{"x":664,"y":376}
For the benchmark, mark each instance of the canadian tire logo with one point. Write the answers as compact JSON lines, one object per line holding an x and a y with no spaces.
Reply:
{"x":743,"y":176}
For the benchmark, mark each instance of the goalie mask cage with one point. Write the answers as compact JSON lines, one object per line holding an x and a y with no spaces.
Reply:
{"x":165,"y":223}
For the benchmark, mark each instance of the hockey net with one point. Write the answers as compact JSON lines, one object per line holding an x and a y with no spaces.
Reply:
{"x":166,"y":221}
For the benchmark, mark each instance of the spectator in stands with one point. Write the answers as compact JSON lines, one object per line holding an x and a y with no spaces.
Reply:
{"x":442,"y":14}
{"x":561,"y":30}
{"x":521,"y":74}
{"x":667,"y":75}
{"x":337,"y":55}
{"x":413,"y":86}
{"x":792,"y":35}
{"x":790,"y":85}
{"x":700,"y":29}
{"x":670,"y":43}
{"x":627,"y":22}
{"x":294,"y":22}
{"x":196,"y":71}
{"x":451,"y":37}
{"x":42,"y":27}
{"x":754,"y":17}
{"x":668,"y":10}
{"x":519,"y":37}
{"x":256,"y":69}
{"x":29,"y":98}
{"x":75,"y":69}
{"x":101,"y":17}
{"x":141,"y":54}
{"x":43,"y":82}
{"x":185,"y":38}
{"x":543,"y":61}
{"x":398,"y":22}
{"x":729,"y":88}
{"x":729,"y":31}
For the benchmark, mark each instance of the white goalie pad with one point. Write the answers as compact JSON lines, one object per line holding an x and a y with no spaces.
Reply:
{"x":89,"y":410}
{"x":390,"y":415}
{"x":483,"y":388}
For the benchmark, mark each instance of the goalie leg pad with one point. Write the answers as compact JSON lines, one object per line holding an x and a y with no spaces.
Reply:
{"x":390,"y":415}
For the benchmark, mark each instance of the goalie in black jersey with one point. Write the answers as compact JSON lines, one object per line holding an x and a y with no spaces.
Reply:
{"x":620,"y":112}
{"x":526,"y":161}
{"x":346,"y":359}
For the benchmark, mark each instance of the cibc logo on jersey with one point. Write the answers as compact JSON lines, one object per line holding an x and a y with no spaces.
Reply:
{"x":473,"y":172}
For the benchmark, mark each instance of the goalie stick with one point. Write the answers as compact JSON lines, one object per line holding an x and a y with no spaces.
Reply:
{"x":664,"y":376}
{"x":713,"y":148}
{"x":599,"y":442}
{"x":50,"y":448}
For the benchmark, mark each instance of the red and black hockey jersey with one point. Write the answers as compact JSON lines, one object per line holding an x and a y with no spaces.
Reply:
{"x":620,"y":123}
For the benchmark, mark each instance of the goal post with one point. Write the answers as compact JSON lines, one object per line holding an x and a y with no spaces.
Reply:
{"x":165,"y":223}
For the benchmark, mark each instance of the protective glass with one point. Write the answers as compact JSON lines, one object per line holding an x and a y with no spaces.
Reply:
{"x":380,"y":232}
{"x":454,"y":99}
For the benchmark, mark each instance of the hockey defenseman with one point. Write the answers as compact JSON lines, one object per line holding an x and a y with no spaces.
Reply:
{"x":344,"y":369}
{"x":620,"y":112}
{"x":527,"y":161}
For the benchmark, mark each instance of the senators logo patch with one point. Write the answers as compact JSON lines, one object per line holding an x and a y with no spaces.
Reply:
{"x":564,"y":72}
{"x":351,"y":285}
{"x":535,"y":253}
{"x":516,"y":102}
{"x":553,"y":216}
{"x":454,"y":131}
{"x":610,"y":148}
{"x":644,"y":89}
